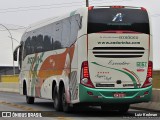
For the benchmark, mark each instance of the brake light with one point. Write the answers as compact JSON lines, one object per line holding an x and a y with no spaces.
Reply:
{"x":90,"y":7}
{"x":144,"y":9}
{"x":117,"y":6}
{"x":85,"y":77}
{"x":148,"y":81}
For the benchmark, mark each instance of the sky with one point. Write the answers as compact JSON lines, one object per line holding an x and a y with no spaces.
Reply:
{"x":25,"y":12}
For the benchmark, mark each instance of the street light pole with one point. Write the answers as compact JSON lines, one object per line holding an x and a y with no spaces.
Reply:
{"x":12,"y":46}
{"x":14,"y":39}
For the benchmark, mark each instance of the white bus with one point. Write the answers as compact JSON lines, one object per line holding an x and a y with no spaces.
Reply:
{"x":99,"y":56}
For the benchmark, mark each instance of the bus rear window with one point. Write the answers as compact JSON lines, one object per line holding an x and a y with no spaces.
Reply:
{"x":108,"y":19}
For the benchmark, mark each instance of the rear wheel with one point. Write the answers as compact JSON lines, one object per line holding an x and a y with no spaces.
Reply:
{"x":104,"y":108}
{"x":65,"y":105}
{"x":29,"y":100}
{"x":123,"y":108}
{"x":57,"y":100}
{"x":107,"y":107}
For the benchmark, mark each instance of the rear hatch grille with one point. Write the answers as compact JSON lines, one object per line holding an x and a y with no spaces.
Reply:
{"x":118,"y":52}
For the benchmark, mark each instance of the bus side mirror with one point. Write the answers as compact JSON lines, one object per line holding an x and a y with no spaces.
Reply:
{"x":15,"y":55}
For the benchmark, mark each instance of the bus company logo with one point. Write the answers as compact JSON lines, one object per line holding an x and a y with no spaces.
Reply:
{"x":118,"y":17}
{"x":36,"y":60}
{"x":21,"y":114}
{"x":6,"y":114}
{"x":111,"y":62}
{"x":128,"y":37}
{"x":141,"y":66}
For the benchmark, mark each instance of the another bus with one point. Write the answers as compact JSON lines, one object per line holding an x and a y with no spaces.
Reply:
{"x":100,"y":56}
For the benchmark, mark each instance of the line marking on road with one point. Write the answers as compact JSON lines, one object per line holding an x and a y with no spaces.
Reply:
{"x":22,"y":107}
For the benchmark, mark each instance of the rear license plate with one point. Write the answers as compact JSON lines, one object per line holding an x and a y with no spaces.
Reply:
{"x":119,"y":95}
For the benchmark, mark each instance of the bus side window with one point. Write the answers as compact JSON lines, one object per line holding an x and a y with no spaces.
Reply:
{"x":79,"y":21}
{"x":74,"y":29}
{"x":66,"y":32}
{"x":58,"y":35}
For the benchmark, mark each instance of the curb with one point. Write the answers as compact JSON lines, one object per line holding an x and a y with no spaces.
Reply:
{"x":9,"y":87}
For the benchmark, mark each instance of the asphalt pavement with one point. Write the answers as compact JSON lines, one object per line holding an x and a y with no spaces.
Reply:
{"x":15,"y":103}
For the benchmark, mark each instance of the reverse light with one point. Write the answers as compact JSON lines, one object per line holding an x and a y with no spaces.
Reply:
{"x":85,"y":77}
{"x":148,"y":81}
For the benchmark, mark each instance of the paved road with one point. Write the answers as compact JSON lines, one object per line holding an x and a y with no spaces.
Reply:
{"x":15,"y":102}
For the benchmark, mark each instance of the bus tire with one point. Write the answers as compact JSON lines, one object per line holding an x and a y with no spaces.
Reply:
{"x":57,"y":100}
{"x":104,"y":108}
{"x":123,"y":109}
{"x":66,"y":106}
{"x":29,"y":100}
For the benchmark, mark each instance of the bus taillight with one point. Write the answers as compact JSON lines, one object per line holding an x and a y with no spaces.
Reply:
{"x":90,"y":7}
{"x":85,"y":77}
{"x":117,"y":6}
{"x":148,"y":81}
{"x":144,"y":9}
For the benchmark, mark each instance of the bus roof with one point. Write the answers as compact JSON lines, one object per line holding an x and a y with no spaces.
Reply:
{"x":54,"y":19}
{"x":51,"y":20}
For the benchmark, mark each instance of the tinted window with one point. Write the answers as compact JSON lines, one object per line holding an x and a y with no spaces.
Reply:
{"x":66,"y":32}
{"x":74,"y":28}
{"x":70,"y":30}
{"x":106,"y":19}
{"x":58,"y":35}
{"x":58,"y":31}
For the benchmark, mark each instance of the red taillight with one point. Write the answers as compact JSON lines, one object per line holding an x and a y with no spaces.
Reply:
{"x":85,"y":77}
{"x":90,"y":7}
{"x":144,"y":9}
{"x":150,"y":69}
{"x":85,"y":70}
{"x":148,"y":81}
{"x":117,"y":6}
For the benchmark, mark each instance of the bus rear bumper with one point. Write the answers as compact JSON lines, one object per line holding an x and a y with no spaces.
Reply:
{"x":100,"y":96}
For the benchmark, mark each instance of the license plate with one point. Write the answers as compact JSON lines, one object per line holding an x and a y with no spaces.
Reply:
{"x":119,"y":95}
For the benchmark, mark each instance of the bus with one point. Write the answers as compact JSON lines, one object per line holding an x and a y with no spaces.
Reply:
{"x":93,"y":56}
